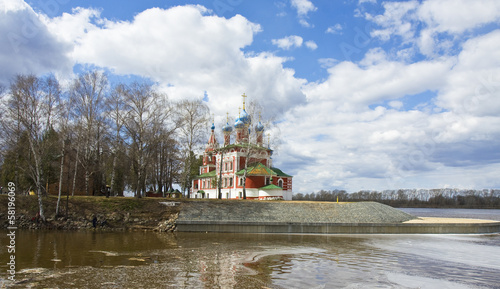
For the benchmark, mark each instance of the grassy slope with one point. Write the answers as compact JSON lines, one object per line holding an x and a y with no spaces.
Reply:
{"x":119,"y":212}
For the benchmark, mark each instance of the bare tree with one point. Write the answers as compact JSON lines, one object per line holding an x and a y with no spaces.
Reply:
{"x":30,"y":106}
{"x":88,"y":94}
{"x":165,"y":162}
{"x":147,"y":112}
{"x":195,"y":115}
{"x":116,"y":110}
{"x":64,"y":136}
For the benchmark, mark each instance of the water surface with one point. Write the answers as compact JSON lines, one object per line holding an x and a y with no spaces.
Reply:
{"x":52,"y":259}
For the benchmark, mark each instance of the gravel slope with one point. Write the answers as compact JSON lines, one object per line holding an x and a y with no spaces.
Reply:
{"x":293,"y":212}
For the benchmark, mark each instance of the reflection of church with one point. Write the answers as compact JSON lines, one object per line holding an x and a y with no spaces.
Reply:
{"x":227,"y":165}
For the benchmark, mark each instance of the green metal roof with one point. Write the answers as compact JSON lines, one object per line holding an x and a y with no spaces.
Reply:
{"x":257,"y":169}
{"x":271,"y":187}
{"x":207,"y":175}
{"x":280,"y":173}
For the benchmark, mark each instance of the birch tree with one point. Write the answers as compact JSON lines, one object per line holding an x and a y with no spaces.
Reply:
{"x":165,"y":162}
{"x":147,"y":113}
{"x":116,"y":110}
{"x":88,"y":94}
{"x":194,"y":115}
{"x":64,"y":136}
{"x":30,"y":107}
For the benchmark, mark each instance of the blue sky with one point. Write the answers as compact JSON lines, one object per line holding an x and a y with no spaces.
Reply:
{"x":366,"y":94}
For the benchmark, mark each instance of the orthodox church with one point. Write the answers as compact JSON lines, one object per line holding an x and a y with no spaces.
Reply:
{"x":244,"y":165}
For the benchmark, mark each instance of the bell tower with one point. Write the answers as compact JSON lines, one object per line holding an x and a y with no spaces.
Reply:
{"x":212,"y":145}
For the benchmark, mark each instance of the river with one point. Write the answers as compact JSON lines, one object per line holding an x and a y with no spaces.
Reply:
{"x":87,"y":259}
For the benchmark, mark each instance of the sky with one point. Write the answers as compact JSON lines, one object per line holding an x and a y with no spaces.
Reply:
{"x":365,"y":94}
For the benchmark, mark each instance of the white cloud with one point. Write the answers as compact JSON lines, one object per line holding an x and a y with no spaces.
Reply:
{"x":327,"y":62}
{"x":473,"y":85}
{"x":304,"y":7}
{"x":433,"y":26}
{"x":13,"y":5}
{"x":457,"y":16}
{"x":186,"y":50}
{"x":311,"y":45}
{"x":396,"y":104}
{"x":158,"y":40}
{"x":377,"y":80}
{"x":396,"y":20}
{"x":288,"y":42}
{"x":293,"y":41}
{"x":27,"y":44}
{"x":73,"y":27}
{"x":350,"y":140}
{"x":335,"y":29}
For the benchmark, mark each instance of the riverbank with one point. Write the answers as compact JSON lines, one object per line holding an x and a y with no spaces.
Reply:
{"x":93,"y":213}
{"x":234,"y":216}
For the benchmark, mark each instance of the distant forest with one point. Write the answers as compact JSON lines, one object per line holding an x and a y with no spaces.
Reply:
{"x":416,"y":198}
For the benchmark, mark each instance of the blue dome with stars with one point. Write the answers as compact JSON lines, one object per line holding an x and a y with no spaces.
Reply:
{"x":239,"y":123}
{"x":259,"y":127}
{"x":227,"y":128}
{"x":245,"y":117}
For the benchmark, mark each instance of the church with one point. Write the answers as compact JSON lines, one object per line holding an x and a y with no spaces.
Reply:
{"x":240,"y":168}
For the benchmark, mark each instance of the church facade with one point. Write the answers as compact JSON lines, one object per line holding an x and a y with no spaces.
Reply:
{"x":242,"y":166}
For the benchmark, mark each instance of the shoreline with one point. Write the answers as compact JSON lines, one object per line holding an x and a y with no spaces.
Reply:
{"x":110,"y":214}
{"x":284,"y":217}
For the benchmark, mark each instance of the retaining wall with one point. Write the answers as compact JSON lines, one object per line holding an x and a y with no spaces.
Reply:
{"x":336,"y":228}
{"x":313,"y":218}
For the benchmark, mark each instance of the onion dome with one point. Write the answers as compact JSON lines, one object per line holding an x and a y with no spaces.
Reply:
{"x":259,"y":127}
{"x":213,"y":126}
{"x":239,"y":123}
{"x":245,"y":117}
{"x":227,"y":128}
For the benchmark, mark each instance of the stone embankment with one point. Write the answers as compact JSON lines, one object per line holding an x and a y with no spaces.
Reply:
{"x":315,"y":218}
{"x":291,"y":212}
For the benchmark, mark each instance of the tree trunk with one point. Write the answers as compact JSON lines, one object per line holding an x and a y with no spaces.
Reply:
{"x":139,"y":183}
{"x":87,"y":179}
{"x":112,"y":185}
{"x":40,"y":203}
{"x":76,"y":170}
{"x":61,"y":177}
{"x":37,"y":178}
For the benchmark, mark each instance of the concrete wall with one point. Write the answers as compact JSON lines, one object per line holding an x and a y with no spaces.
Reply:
{"x":321,"y":228}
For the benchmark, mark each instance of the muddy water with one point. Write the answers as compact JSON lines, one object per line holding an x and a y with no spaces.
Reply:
{"x":54,"y":259}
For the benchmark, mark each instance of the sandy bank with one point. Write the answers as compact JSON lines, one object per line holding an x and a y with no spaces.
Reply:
{"x":434,"y":220}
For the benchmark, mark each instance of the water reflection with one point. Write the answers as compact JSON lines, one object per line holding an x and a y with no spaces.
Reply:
{"x":192,"y":260}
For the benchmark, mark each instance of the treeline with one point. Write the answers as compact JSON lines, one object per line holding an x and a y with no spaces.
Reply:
{"x":433,"y":198}
{"x":90,"y":138}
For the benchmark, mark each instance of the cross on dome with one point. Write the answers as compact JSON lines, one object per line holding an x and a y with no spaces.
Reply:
{"x":244,"y":96}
